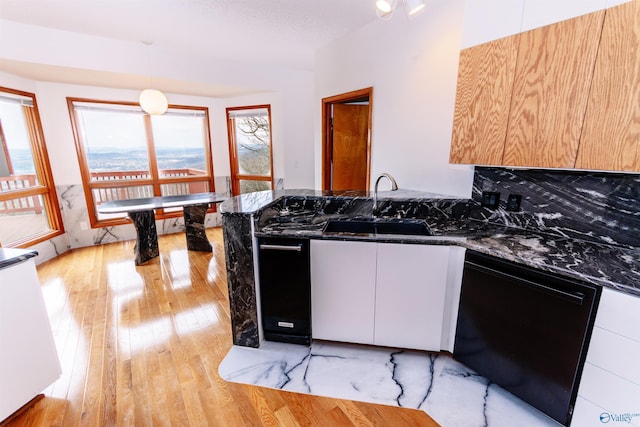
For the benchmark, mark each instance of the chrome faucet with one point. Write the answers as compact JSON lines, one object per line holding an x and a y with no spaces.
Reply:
{"x":394,"y":187}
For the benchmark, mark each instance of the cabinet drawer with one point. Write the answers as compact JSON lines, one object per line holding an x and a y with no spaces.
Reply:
{"x":588,"y":414}
{"x":616,"y":354}
{"x":612,"y":393}
{"x":619,"y":313}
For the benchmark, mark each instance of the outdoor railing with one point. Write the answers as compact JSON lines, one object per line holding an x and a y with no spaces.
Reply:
{"x":134,"y":192}
{"x":23,"y":204}
{"x":34,"y":204}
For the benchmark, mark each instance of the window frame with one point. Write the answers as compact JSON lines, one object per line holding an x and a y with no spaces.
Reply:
{"x":155,"y":181}
{"x":46,"y":185}
{"x":236,"y":176}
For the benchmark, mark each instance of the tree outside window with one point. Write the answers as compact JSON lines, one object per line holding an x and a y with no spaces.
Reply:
{"x":250,"y":148}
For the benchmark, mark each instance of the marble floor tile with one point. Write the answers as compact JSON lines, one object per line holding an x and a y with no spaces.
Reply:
{"x":448,"y":391}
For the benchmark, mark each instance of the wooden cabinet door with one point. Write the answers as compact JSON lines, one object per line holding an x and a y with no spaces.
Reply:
{"x":343,"y":279}
{"x":552,"y":78}
{"x":611,"y":135}
{"x":485,"y":81}
{"x":410,"y":295}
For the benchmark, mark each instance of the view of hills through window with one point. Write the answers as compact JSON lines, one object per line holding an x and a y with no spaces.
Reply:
{"x":123,"y":159}
{"x":127,"y":154}
{"x":116,"y":141}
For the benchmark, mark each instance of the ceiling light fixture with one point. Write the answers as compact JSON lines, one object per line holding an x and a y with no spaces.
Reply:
{"x":152,"y":101}
{"x":413,"y":6}
{"x":385,"y":8}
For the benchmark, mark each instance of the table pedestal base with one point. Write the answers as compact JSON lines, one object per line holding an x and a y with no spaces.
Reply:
{"x":194,"y":228}
{"x":146,"y":235}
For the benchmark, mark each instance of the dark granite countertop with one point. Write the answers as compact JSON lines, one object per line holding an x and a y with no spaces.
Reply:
{"x":303,"y":213}
{"x":252,"y":202}
{"x":11,"y":256}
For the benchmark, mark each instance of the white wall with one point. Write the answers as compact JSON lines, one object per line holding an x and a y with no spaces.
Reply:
{"x":412,"y":66}
{"x":487,"y":20}
{"x":291,"y":89}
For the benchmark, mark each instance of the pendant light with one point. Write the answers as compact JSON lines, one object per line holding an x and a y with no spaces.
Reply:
{"x":152,"y":101}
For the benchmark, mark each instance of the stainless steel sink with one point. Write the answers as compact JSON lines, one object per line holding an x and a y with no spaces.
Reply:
{"x":378,"y":226}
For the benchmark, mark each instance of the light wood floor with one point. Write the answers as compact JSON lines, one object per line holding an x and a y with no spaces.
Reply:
{"x":140,"y":346}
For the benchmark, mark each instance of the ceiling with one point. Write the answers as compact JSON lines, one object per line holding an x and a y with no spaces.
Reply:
{"x":275,"y":32}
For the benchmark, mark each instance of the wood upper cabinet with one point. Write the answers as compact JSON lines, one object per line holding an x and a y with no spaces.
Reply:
{"x":550,"y":91}
{"x":485,"y":83}
{"x":611,"y":135}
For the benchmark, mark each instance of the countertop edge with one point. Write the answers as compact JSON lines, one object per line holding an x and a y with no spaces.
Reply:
{"x":470,"y":243}
{"x":12,"y":256}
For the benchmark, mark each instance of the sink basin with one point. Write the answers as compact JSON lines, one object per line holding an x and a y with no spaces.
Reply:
{"x":378,"y":226}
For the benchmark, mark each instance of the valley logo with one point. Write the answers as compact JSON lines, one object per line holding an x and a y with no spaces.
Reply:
{"x":607,"y":417}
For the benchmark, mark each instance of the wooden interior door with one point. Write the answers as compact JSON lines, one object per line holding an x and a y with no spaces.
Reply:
{"x":349,"y":156}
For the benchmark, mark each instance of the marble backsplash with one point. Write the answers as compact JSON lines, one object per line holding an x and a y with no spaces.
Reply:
{"x":592,"y":206}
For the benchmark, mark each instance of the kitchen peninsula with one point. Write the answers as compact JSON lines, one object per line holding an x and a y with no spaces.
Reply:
{"x":533,"y":237}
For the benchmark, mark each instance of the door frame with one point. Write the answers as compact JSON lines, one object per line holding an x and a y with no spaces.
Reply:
{"x":327,"y":137}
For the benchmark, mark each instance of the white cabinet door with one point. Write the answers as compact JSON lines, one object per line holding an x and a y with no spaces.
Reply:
{"x":610,"y":383}
{"x":28,"y":359}
{"x":452,"y":297}
{"x":343,"y":276}
{"x":620,"y":313}
{"x":410,"y":295}
{"x":614,"y":395}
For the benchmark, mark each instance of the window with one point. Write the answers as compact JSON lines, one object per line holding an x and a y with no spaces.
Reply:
{"x":127,"y":154}
{"x":250,"y":148}
{"x":29,"y":210}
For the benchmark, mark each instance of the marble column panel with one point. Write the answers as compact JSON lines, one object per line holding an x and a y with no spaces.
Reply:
{"x":147,"y":236}
{"x":194,"y":228}
{"x":236,"y":229}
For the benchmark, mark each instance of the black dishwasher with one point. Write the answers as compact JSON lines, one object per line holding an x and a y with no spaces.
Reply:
{"x":525,"y":330}
{"x":285,"y":289}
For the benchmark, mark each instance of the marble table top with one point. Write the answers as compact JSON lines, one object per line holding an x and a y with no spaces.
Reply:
{"x":10,"y":256}
{"x":149,"y":203}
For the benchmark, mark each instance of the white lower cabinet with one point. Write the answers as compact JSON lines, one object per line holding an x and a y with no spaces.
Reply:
{"x":28,"y":358}
{"x":610,"y":385}
{"x":379,"y":293}
{"x":410,"y":290}
{"x":343,"y":279}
